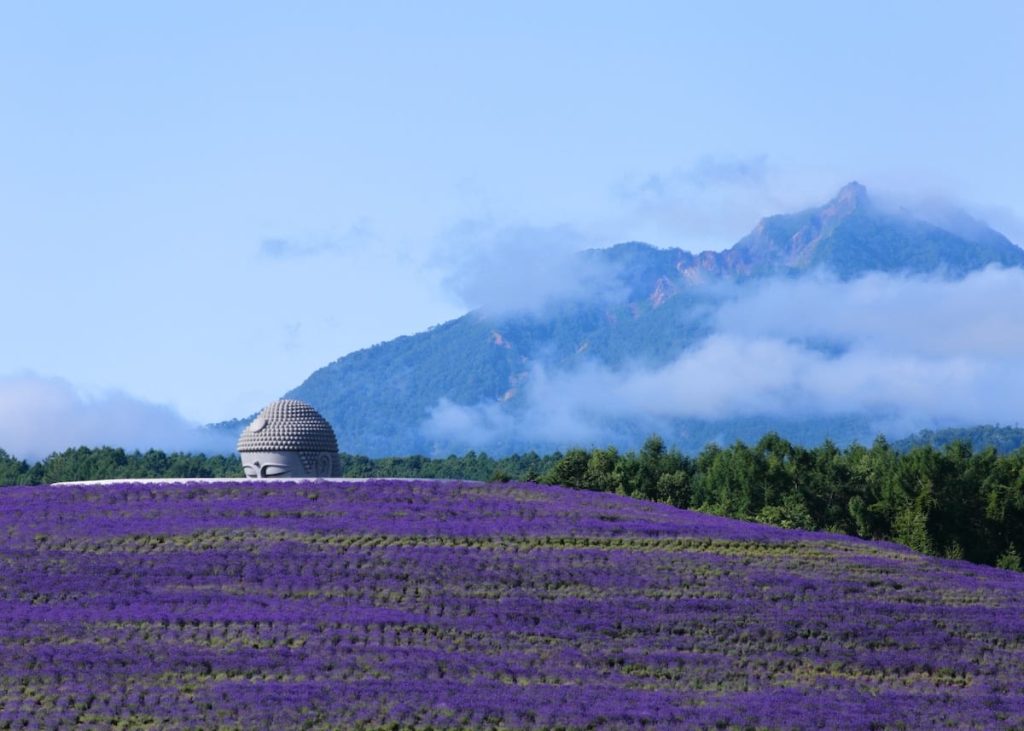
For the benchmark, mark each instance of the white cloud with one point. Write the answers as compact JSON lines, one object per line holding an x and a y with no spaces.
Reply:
{"x":474,"y":426}
{"x":524,"y":269}
{"x":561,"y":408}
{"x":905,"y":353}
{"x":979,"y":315}
{"x":39,"y":416}
{"x":714,"y":201}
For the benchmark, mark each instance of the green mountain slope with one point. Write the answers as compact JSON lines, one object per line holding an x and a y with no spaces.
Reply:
{"x":1004,"y":439}
{"x":378,"y":399}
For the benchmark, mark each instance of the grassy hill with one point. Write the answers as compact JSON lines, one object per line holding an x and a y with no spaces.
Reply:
{"x":442,"y":605}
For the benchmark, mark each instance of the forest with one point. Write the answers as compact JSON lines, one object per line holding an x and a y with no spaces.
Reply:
{"x":108,"y":463}
{"x":953,"y":501}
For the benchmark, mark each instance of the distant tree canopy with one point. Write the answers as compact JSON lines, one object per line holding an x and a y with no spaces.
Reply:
{"x":108,"y":463}
{"x":953,"y":502}
{"x":1005,"y":439}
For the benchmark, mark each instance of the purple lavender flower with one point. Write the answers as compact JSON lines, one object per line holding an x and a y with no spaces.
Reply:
{"x":459,"y":605}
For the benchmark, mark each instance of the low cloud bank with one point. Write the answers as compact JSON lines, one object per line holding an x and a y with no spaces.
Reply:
{"x":978,"y":316}
{"x":39,"y":416}
{"x":907,"y":353}
{"x":525,"y":270}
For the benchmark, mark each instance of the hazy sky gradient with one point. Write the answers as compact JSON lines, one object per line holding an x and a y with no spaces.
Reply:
{"x":201,"y":203}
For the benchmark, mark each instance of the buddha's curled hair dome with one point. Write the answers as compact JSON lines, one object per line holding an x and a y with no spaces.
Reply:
{"x":288,"y":426}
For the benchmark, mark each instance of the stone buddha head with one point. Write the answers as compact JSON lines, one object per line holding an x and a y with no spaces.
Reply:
{"x":289,"y":439}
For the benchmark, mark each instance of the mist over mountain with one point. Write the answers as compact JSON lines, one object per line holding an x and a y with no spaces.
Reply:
{"x":834,"y":322}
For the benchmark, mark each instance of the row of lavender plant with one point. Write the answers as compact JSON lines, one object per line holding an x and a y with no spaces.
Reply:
{"x":449,"y":605}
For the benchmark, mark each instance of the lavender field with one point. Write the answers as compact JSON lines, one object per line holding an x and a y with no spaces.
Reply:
{"x":441,"y":605}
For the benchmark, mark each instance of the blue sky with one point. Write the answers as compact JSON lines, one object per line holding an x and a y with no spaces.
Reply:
{"x":201,"y":203}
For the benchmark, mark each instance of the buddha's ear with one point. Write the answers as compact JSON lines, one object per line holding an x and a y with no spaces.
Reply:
{"x":323,"y":465}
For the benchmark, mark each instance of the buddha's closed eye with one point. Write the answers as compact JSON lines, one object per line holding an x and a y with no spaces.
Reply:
{"x":256,"y":470}
{"x":274,"y":470}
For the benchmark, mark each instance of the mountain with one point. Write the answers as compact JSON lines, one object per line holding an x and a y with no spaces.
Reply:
{"x":1004,"y":439}
{"x":851,"y":236}
{"x":380,"y":399}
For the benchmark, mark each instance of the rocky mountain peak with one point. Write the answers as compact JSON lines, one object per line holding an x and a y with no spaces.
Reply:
{"x":851,"y":197}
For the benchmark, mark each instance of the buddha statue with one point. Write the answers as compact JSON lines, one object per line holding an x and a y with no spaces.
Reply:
{"x":289,"y":439}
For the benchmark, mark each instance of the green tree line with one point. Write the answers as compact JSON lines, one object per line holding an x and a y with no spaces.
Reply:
{"x":108,"y":463}
{"x":952,"y":501}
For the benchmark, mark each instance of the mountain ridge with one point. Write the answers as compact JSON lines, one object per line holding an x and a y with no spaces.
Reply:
{"x":379,"y":399}
{"x":826,"y":236}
